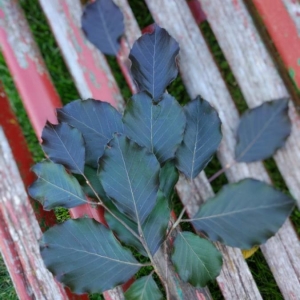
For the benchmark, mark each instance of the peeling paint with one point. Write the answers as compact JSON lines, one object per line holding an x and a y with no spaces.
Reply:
{"x":19,"y":36}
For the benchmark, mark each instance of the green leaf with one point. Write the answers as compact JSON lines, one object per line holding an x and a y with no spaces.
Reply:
{"x":96,"y":120}
{"x":154,"y":228}
{"x":158,"y":127}
{"x":156,"y":224}
{"x":201,"y":138}
{"x":168,"y":178}
{"x":129,"y":175}
{"x":122,"y":233}
{"x":93,"y":178}
{"x":262,"y":131}
{"x":153,"y":58}
{"x":196,"y":260}
{"x":85,"y":256}
{"x":243,"y":214}
{"x":64,"y":145}
{"x":144,"y":288}
{"x":55,"y":187}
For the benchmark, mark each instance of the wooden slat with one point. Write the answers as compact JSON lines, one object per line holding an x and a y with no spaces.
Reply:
{"x":88,"y":67}
{"x":201,"y":76}
{"x":20,"y":233}
{"x":22,"y":156}
{"x":259,"y":81}
{"x":33,"y":82}
{"x":256,"y":75}
{"x":26,"y":65}
{"x":282,"y":19}
{"x":236,"y":281}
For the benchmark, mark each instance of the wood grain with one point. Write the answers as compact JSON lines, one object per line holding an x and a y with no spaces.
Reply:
{"x":19,"y":233}
{"x":201,"y":76}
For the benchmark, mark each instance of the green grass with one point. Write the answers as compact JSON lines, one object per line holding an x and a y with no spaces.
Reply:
{"x":67,"y":91}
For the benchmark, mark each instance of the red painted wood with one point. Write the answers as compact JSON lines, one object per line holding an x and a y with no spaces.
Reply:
{"x":29,"y":73}
{"x":12,"y":261}
{"x":99,"y":85}
{"x":32,"y":80}
{"x":197,"y":11}
{"x":22,"y":156}
{"x":284,"y":34}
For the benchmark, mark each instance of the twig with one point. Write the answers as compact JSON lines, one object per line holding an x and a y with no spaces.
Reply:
{"x":221,"y":171}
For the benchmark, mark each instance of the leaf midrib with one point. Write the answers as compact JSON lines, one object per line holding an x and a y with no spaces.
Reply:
{"x":259,"y":134}
{"x":238,"y":211}
{"x":60,"y":188}
{"x":208,"y":272}
{"x":85,"y":125}
{"x":98,"y":255}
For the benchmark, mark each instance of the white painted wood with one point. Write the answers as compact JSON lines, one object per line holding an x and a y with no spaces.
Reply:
{"x":24,"y":230}
{"x":235,"y":280}
{"x":293,"y":8}
{"x":256,"y":75}
{"x":201,"y":76}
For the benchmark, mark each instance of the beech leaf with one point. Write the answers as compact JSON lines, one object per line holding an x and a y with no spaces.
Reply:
{"x":168,"y":178}
{"x":96,"y":120}
{"x":158,"y":127}
{"x":243,"y":214}
{"x":144,"y":288}
{"x":55,"y":187}
{"x":85,"y":256}
{"x":64,"y":145}
{"x":103,"y":24}
{"x":196,"y":260}
{"x":129,"y":175}
{"x":201,"y":138}
{"x":262,"y":131}
{"x":154,"y":228}
{"x":153,"y":58}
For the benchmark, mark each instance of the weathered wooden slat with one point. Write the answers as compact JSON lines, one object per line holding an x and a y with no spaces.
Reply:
{"x":20,"y":233}
{"x":259,"y":82}
{"x":282,"y":18}
{"x":256,"y":75}
{"x":32,"y":80}
{"x":22,"y":156}
{"x":26,"y":65}
{"x":235,"y":281}
{"x":88,"y":67}
{"x":201,"y":76}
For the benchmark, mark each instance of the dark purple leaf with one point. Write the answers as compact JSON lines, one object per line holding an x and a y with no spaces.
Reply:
{"x":85,"y":256}
{"x":201,"y":138}
{"x":103,"y":25}
{"x":153,"y":58}
{"x":158,"y":127}
{"x":64,"y":145}
{"x":96,"y":120}
{"x":262,"y":130}
{"x":243,"y":214}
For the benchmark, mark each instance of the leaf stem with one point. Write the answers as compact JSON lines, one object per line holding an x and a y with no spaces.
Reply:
{"x":176,"y":223}
{"x":106,"y":208}
{"x":221,"y":171}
